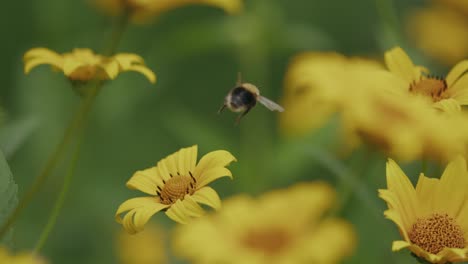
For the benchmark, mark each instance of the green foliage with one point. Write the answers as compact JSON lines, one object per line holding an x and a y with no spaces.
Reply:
{"x":8,"y":194}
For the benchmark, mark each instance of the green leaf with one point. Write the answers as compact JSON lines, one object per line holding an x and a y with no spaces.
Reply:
{"x":8,"y":194}
{"x":13,"y":134}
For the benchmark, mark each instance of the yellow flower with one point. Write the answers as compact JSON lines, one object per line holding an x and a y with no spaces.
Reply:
{"x":176,"y":184}
{"x":433,"y":217}
{"x":460,"y":5}
{"x":440,"y":32}
{"x":83,"y":65}
{"x":405,"y":128}
{"x":314,"y":86}
{"x":415,"y":81}
{"x":21,"y":258}
{"x":283,"y":226}
{"x":142,"y":10}
{"x":146,"y":247}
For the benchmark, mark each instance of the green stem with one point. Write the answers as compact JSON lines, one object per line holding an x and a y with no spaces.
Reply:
{"x":60,"y":198}
{"x":77,"y":121}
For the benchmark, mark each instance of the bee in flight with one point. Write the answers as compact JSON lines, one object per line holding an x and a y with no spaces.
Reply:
{"x":243,"y":97}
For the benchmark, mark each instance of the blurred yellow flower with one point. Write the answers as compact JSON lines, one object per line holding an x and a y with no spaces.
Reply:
{"x":433,"y":217}
{"x":460,"y":5}
{"x":176,"y":184}
{"x":405,"y":128}
{"x":146,"y":247}
{"x":83,"y":65}
{"x":441,"y":32}
{"x":314,"y":85}
{"x":142,"y":10}
{"x":21,"y":258}
{"x":283,"y":226}
{"x":454,"y":86}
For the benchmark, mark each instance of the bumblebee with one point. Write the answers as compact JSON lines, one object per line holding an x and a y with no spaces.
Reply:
{"x":243,"y":97}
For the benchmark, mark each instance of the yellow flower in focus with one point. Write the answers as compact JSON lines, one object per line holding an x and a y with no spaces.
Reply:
{"x":176,"y":184}
{"x":21,"y":258}
{"x":146,"y":247}
{"x":440,"y":32}
{"x":142,"y":10}
{"x":315,"y":84}
{"x":283,"y":226}
{"x":83,"y":65}
{"x":433,"y":217}
{"x":454,"y":86}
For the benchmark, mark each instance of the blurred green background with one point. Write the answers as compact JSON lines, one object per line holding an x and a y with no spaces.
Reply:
{"x":196,"y":52}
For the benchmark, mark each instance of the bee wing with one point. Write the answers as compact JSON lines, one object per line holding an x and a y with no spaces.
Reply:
{"x":270,"y":104}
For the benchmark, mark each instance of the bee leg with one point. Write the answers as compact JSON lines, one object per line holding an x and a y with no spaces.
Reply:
{"x":241,"y":115}
{"x":221,"y":109}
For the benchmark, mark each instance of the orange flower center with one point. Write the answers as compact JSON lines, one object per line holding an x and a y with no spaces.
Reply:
{"x":436,"y":233}
{"x":84,"y":73}
{"x":176,"y":188}
{"x":270,"y":241}
{"x":432,"y":87}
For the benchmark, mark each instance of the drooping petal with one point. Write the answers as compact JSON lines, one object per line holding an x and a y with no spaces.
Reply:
{"x":38,"y":56}
{"x":207,"y":196}
{"x":452,"y":191}
{"x":459,"y":90}
{"x":192,"y":208}
{"x":145,"y":181}
{"x":218,"y":158}
{"x":450,"y":105}
{"x":143,"y":214}
{"x":399,"y":184}
{"x":457,"y":71}
{"x":230,"y":6}
{"x":32,"y":63}
{"x":177,"y":212}
{"x":453,"y":255}
{"x":400,"y":64}
{"x":211,"y":175}
{"x":136,"y":203}
{"x":133,"y":62}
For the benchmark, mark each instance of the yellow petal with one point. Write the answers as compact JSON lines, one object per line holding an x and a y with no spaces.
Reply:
{"x":149,"y":74}
{"x":134,"y":203}
{"x":453,"y":188}
{"x":71,"y":65}
{"x":192,"y":208}
{"x":399,"y":245}
{"x":401,"y":186}
{"x":453,"y":255}
{"x":211,"y":175}
{"x":207,"y":196}
{"x":38,"y":56}
{"x":133,"y":62}
{"x":179,"y":163}
{"x":395,"y":217}
{"x":218,"y":158}
{"x":426,"y":188}
{"x":187,"y":159}
{"x":111,"y":69}
{"x":177,"y":212}
{"x":230,"y":6}
{"x":450,"y":106}
{"x":459,"y":90}
{"x":457,"y":71}
{"x":146,"y":181}
{"x":40,"y":53}
{"x":143,"y":214}
{"x":400,"y":64}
